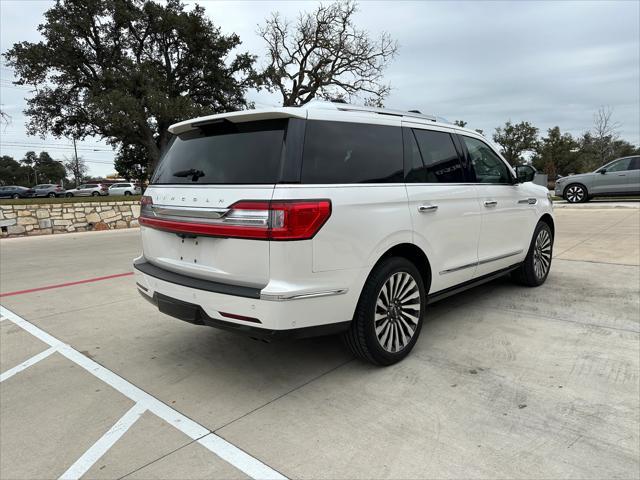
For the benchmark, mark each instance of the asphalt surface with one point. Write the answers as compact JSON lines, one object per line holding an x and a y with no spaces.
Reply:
{"x":505,"y":381}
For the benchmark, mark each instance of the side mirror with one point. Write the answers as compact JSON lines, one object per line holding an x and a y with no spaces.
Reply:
{"x":603,"y":171}
{"x":525,"y":173}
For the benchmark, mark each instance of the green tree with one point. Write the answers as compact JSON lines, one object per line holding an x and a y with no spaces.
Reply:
{"x":49,"y":170}
{"x":131,"y":163}
{"x":595,"y":151}
{"x":516,"y":139}
{"x":12,"y":173}
{"x":460,"y":123}
{"x":324,"y":55}
{"x":557,"y":153}
{"x":29,"y":163}
{"x":125,"y":70}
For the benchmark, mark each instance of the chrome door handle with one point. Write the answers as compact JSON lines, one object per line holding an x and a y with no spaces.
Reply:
{"x":622,"y":174}
{"x":490,"y":203}
{"x":427,"y":208}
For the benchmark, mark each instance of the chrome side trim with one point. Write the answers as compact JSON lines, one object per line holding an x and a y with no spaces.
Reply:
{"x":481,"y":262}
{"x":286,"y":297}
{"x":461,"y":267}
{"x":499,"y":257}
{"x":528,"y":201}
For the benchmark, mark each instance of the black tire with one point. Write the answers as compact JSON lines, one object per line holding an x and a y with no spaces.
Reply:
{"x":361,"y":338}
{"x":576,"y":193}
{"x":15,"y":196}
{"x":51,"y":195}
{"x":540,"y":253}
{"x":68,"y":195}
{"x":94,"y":194}
{"x":127,"y":193}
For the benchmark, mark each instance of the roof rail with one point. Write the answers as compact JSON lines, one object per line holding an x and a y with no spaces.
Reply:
{"x":346,"y":107}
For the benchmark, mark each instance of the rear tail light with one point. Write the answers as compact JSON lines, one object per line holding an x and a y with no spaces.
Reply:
{"x":261,"y":220}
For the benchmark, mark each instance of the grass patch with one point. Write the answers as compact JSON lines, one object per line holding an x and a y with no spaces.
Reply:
{"x":47,"y":200}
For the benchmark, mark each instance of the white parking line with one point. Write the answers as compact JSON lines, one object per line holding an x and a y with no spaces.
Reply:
{"x":27,"y":363}
{"x":241,"y":460}
{"x":98,"y":449}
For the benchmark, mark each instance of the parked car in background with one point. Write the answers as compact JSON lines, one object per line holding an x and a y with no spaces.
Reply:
{"x":49,"y":190}
{"x":333,"y":218}
{"x":15,"y":191}
{"x":125,"y":189}
{"x":88,"y":189}
{"x":620,"y":177}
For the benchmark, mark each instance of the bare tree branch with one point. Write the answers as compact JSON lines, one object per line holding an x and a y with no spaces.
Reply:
{"x":325,"y":55}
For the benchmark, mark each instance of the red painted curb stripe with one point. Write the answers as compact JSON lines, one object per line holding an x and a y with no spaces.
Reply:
{"x":69,"y":284}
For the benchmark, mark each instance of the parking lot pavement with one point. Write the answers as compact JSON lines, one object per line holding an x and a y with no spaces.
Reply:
{"x":504,"y":381}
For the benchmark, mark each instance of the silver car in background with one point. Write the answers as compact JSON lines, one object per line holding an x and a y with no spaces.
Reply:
{"x":621,"y":177}
{"x":126,"y":188}
{"x":88,"y":189}
{"x":50,"y":190}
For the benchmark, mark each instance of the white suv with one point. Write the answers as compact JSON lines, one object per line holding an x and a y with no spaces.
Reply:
{"x":333,"y":218}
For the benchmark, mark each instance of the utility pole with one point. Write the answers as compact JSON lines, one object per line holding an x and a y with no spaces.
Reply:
{"x":75,"y":163}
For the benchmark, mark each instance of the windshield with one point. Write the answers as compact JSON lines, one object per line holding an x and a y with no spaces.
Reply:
{"x":225,"y":153}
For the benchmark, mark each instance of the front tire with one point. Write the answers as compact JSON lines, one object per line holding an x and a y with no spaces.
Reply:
{"x":51,"y":195}
{"x":15,"y":196}
{"x":388,"y":317}
{"x":69,"y":195}
{"x":536,"y":266}
{"x":576,"y":193}
{"x":94,"y":194}
{"x":127,"y":193}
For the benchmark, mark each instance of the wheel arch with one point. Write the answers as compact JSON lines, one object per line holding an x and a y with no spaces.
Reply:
{"x":415,"y":255}
{"x":548,"y":219}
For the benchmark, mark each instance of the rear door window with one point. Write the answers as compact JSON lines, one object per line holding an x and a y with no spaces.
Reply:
{"x":437,"y":159}
{"x":341,"y":152}
{"x":225,"y":153}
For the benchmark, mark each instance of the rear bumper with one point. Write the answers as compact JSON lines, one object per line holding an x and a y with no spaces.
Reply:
{"x":192,"y":313}
{"x":242,"y":309}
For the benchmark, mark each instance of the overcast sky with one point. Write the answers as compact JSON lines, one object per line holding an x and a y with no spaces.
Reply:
{"x":550,"y":63}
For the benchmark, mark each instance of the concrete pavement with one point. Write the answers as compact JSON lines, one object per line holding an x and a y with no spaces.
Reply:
{"x":504,"y":381}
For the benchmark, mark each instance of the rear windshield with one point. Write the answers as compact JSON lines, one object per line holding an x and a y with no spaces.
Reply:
{"x":225,"y":153}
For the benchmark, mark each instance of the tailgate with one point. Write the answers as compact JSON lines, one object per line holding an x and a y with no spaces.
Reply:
{"x":227,"y":260}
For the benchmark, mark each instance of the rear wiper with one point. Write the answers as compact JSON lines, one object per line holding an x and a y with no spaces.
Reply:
{"x":192,"y":172}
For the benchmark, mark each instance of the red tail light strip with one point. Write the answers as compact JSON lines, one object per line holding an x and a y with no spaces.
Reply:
{"x":206,"y":229}
{"x":239,"y":317}
{"x":260,"y":220}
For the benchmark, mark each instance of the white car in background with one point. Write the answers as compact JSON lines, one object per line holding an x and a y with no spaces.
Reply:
{"x":126,"y":188}
{"x":332,"y":218}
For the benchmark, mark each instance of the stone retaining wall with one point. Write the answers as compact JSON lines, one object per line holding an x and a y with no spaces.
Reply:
{"x":41,"y":219}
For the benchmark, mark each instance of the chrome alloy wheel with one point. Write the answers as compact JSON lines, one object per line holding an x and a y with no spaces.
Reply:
{"x":575,"y":194}
{"x":397,"y":312}
{"x":542,"y":254}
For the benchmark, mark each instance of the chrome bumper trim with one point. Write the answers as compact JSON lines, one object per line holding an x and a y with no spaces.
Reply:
{"x":285,"y":297}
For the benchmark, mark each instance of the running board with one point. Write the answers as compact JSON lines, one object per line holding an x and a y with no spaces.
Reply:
{"x":474,"y":282}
